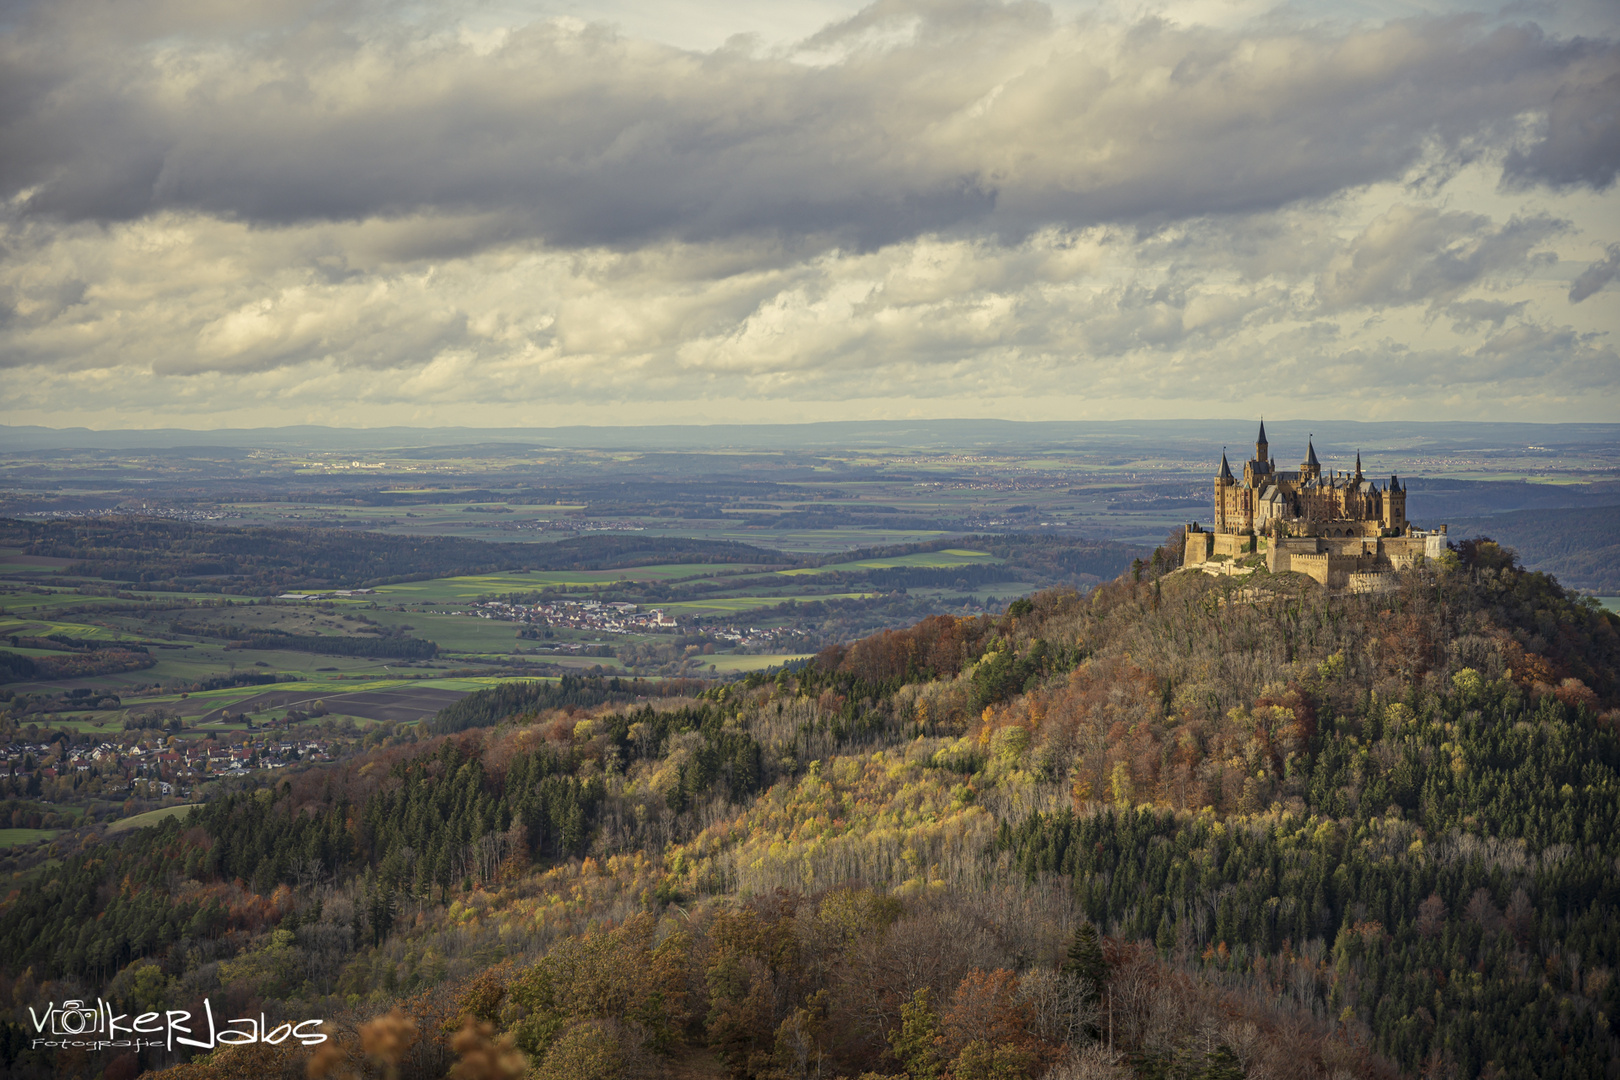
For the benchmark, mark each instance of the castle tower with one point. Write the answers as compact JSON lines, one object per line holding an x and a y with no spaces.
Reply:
{"x":1358,"y":465}
{"x":1395,"y":506}
{"x":1310,"y":469}
{"x":1224,"y":483}
{"x":1259,"y":470}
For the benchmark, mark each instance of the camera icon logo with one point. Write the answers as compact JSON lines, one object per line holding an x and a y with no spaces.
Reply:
{"x":74,"y":1019}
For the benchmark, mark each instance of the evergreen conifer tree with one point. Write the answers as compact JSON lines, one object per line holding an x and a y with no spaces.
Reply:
{"x":1222,"y":1064}
{"x":1085,"y":959}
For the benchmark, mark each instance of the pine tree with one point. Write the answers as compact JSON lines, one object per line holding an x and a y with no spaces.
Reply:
{"x":1085,"y":959}
{"x":1166,"y":937}
{"x":1222,"y":1064}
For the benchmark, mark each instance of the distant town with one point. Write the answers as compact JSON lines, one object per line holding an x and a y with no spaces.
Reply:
{"x":153,"y":766}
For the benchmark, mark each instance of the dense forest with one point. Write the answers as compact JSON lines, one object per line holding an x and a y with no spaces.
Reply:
{"x":82,"y":663}
{"x":1180,"y":826}
{"x":1039,"y":557}
{"x":1581,"y":547}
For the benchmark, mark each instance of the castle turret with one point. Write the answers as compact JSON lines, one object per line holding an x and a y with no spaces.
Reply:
{"x":1395,"y":505}
{"x":1257,"y":471}
{"x":1224,"y":483}
{"x":1358,"y":465}
{"x":1310,"y":469}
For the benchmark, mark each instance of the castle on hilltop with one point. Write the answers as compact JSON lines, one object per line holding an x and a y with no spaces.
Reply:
{"x":1341,"y":529}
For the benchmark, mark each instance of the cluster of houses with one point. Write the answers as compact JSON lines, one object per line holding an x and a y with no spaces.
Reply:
{"x":611,"y":617}
{"x":171,"y":767}
{"x":570,"y":525}
{"x":170,"y":513}
{"x":760,"y":637}
{"x":620,"y":617}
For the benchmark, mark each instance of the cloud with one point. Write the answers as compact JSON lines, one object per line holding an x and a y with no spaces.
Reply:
{"x":276,"y":209}
{"x":1416,"y":254}
{"x":578,"y":135}
{"x":1470,"y":314}
{"x":1579,"y":137}
{"x":180,"y":301}
{"x":1596,"y":276}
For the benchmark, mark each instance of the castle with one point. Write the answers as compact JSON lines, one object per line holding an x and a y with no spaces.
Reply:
{"x":1343,"y":530}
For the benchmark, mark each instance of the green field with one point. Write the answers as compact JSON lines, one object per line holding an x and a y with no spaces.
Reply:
{"x":749,"y":603}
{"x":13,"y":837}
{"x":482,"y":682}
{"x":928,"y":560}
{"x":213,"y":699}
{"x":151,"y":817}
{"x":78,"y":631}
{"x":468,"y":588}
{"x":734,"y":662}
{"x":28,"y":603}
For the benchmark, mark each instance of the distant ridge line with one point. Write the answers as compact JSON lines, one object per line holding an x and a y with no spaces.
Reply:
{"x":813,"y":435}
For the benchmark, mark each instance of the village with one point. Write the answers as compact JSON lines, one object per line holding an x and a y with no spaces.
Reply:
{"x":154,"y":765}
{"x":618,"y":617}
{"x":607,"y":617}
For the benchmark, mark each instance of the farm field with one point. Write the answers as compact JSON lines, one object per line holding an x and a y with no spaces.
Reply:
{"x":151,"y":817}
{"x":933,"y":560}
{"x":739,"y":604}
{"x":466,"y":588}
{"x":206,"y":642}
{"x":735,"y":663}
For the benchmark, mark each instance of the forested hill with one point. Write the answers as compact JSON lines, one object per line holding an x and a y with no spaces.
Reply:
{"x":1178,"y":827}
{"x":1580,"y":546}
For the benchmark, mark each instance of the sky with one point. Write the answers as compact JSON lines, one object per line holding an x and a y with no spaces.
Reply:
{"x":365,"y":213}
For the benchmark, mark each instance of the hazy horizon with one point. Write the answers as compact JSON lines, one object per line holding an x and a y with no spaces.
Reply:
{"x":1210,"y":434}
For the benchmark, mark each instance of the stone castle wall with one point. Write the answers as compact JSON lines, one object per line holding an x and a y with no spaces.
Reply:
{"x":1340,"y":529}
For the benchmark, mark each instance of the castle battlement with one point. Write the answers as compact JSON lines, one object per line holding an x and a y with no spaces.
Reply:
{"x":1341,"y":529}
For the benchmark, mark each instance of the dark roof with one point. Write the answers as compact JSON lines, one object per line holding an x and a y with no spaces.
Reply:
{"x":1226,"y":469}
{"x":1310,"y":454}
{"x":1262,"y":437}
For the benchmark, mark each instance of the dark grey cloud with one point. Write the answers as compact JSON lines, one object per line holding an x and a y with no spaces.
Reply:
{"x":1580,"y":141}
{"x":1596,"y":276}
{"x":969,"y":115}
{"x":1470,"y":314}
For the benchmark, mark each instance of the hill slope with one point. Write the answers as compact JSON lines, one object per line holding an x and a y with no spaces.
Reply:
{"x":1372,"y":835}
{"x":1581,"y":547}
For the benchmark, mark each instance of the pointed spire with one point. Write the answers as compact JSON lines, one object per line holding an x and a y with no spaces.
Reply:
{"x":1358,"y":464}
{"x":1310,"y":454}
{"x":1226,"y":470}
{"x":1394,"y":482}
{"x":1262,"y":437}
